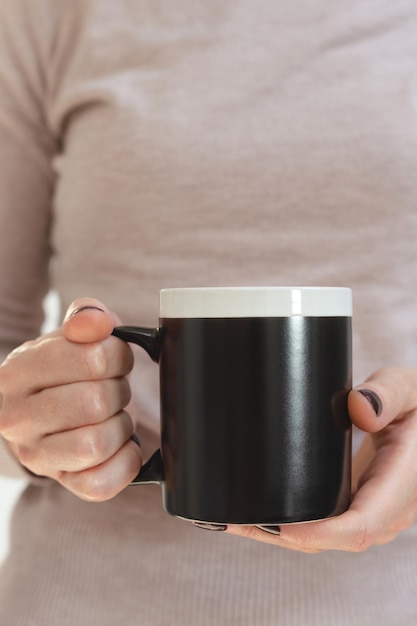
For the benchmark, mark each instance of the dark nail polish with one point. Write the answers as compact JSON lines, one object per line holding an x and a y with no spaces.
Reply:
{"x":136,"y":439}
{"x":86,"y":308}
{"x":208,"y":526}
{"x":373,"y":399}
{"x":272,"y":529}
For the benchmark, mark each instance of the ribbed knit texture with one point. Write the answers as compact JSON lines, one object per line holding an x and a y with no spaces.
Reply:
{"x":157,"y":144}
{"x":126,"y":562}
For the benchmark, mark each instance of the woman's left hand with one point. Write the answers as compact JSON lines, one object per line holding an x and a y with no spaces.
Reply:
{"x":384,"y":498}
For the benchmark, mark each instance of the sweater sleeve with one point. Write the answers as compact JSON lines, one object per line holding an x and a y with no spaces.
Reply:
{"x":27,"y":148}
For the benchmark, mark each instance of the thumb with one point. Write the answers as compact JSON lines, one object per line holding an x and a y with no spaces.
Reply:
{"x":387,"y":395}
{"x":88,"y":320}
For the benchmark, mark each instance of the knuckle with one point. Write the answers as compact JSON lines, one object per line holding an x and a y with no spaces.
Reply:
{"x":94,"y":403}
{"x":90,"y":445}
{"x":93,"y":487}
{"x":12,"y":423}
{"x":25,"y":455}
{"x":7,"y":424}
{"x":96,"y":360}
{"x":364,"y":538}
{"x":30,"y":458}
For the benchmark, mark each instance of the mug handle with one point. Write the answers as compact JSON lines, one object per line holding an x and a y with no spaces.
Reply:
{"x":150,"y":339}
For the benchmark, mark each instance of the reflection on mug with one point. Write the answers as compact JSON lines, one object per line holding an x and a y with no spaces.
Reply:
{"x":253,"y":386}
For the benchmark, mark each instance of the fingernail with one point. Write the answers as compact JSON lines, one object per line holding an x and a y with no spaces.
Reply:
{"x":373,"y":399}
{"x":136,"y":439}
{"x":272,"y":530}
{"x":84,"y":308}
{"x":208,"y":526}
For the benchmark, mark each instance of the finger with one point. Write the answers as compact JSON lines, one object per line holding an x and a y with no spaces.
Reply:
{"x":388,"y":490}
{"x":387,"y":537}
{"x":257,"y":534}
{"x":81,"y":448}
{"x":67,"y":407}
{"x":361,"y":461}
{"x":53,"y":361}
{"x":88,"y":320}
{"x":387,"y":395}
{"x":108,"y":479}
{"x":402,"y":522}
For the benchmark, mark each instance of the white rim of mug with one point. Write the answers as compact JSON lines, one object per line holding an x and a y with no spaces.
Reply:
{"x":231,"y":302}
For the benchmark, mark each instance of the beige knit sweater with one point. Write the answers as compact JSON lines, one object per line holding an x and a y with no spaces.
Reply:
{"x":151,"y":143}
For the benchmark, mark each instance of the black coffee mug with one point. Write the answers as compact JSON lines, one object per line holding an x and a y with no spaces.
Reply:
{"x":253,"y":389}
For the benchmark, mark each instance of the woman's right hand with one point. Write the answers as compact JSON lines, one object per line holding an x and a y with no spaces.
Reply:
{"x":63,"y":400}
